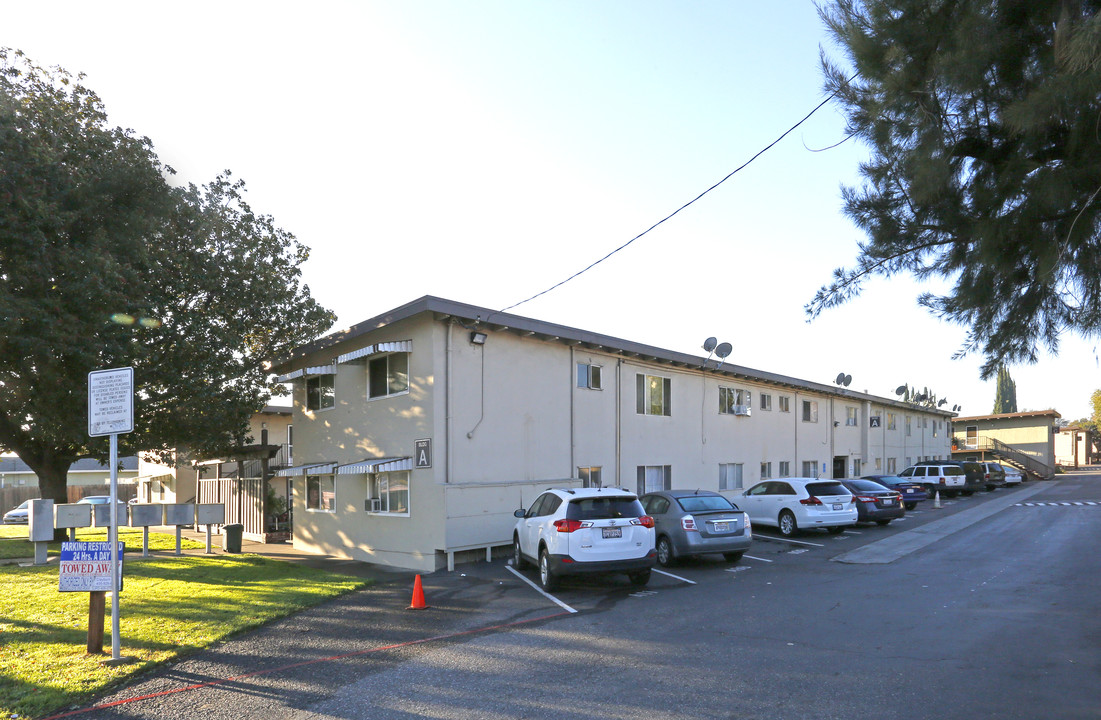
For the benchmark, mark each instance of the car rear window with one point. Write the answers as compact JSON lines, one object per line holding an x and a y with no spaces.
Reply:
{"x":703,"y":503}
{"x":866,"y":485}
{"x":952,"y":470}
{"x":597,"y":508}
{"x":827,"y":488}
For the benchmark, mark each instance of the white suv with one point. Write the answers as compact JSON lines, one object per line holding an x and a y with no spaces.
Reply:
{"x":585,"y":530}
{"x":948,"y":479}
{"x":792,"y":504}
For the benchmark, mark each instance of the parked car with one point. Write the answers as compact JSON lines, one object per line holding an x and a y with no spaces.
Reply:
{"x":974,"y":476}
{"x":1013,"y":476}
{"x":697,"y":522}
{"x":18,"y":515}
{"x":912,"y":493}
{"x":995,"y":474}
{"x":792,"y":504}
{"x":874,"y":502}
{"x":94,"y":500}
{"x":585,"y":530}
{"x":946,"y":478}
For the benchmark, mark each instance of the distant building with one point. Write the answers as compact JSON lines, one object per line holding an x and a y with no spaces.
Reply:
{"x":14,"y":472}
{"x":1074,"y":446}
{"x":418,"y":432}
{"x":1023,"y":439}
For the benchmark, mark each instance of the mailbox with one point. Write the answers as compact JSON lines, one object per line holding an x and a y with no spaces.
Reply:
{"x":74,"y":515}
{"x":181,"y":514}
{"x":210,"y":514}
{"x":146,"y":514}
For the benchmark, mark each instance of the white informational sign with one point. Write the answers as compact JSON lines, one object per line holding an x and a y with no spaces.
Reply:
{"x":111,"y":402}
{"x":86,"y":566}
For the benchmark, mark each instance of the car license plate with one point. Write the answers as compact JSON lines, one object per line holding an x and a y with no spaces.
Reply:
{"x":608,"y":533}
{"x":910,"y":491}
{"x":721,"y":527}
{"x":838,"y":506}
{"x":889,"y":501}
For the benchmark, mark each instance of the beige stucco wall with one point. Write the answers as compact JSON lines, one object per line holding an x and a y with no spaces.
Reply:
{"x":1031,"y":435}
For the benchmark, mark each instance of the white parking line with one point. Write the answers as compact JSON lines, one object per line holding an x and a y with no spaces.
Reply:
{"x":852,"y":532}
{"x":776,"y":539}
{"x":757,"y":558}
{"x":675,"y":577}
{"x":539,"y":590}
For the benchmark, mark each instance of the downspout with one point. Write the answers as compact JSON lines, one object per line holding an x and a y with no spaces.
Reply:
{"x":448,"y":459}
{"x":832,"y":430}
{"x":795,"y":417}
{"x":573,"y":410}
{"x":618,"y":420}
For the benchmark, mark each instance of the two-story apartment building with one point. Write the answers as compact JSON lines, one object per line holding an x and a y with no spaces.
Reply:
{"x":420,"y":431}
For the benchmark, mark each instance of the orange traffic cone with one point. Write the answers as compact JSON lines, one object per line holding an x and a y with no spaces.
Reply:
{"x":418,"y":595}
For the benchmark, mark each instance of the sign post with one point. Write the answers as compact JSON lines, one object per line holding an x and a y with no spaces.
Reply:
{"x":111,"y":412}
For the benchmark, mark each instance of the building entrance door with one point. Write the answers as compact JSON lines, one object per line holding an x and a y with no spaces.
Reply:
{"x":840,"y":463}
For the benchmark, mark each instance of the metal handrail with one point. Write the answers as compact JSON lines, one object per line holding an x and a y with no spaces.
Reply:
{"x":1008,"y":453}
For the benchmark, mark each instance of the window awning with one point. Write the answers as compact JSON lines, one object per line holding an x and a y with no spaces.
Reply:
{"x":311,"y":469}
{"x":375,"y":465}
{"x":305,"y":372}
{"x":376,"y":349}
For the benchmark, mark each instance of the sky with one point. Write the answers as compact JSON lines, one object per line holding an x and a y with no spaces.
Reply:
{"x":484,"y":151}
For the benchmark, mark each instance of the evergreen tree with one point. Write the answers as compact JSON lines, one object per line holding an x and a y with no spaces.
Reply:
{"x":985,"y":166}
{"x":1005,"y":398}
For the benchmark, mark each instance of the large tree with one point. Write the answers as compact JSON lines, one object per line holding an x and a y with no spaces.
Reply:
{"x":104,"y":263}
{"x":985,"y":161}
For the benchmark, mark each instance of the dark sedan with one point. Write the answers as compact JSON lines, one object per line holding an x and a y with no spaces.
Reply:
{"x":912,"y":493}
{"x":695,"y":522}
{"x":874,"y":502}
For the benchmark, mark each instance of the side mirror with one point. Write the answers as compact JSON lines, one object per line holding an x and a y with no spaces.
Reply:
{"x":519,"y":513}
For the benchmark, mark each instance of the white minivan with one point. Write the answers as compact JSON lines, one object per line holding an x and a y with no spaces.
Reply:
{"x":792,"y":504}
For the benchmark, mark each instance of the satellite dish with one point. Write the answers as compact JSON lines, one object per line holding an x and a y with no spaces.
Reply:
{"x":848,"y":379}
{"x":900,"y":389}
{"x":723,"y":350}
{"x":709,"y":344}
{"x":921,"y":398}
{"x":957,"y":408}
{"x":943,"y":401}
{"x":840,"y":378}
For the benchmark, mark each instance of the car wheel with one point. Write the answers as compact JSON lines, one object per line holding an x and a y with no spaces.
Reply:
{"x":666,"y":556}
{"x":787,"y":524}
{"x":990,"y":488}
{"x":836,"y":530}
{"x":882,"y":522}
{"x":639,"y":578}
{"x":546,"y":577}
{"x":952,"y":493}
{"x":733,"y":557}
{"x":518,"y":560}
{"x":911,"y":506}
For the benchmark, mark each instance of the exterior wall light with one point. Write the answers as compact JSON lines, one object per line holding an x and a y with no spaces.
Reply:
{"x":477,"y":338}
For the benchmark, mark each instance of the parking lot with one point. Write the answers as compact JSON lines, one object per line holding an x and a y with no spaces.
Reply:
{"x":993,"y":613}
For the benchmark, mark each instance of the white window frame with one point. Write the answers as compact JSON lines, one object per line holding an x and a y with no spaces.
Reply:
{"x":731,"y":398}
{"x":590,"y":476}
{"x":589,"y":376}
{"x":393,"y":386}
{"x":321,"y":381}
{"x":647,"y":395}
{"x":316,"y":503}
{"x":850,"y":416}
{"x":766,"y":401}
{"x":731,"y":476}
{"x":892,"y":421}
{"x":382,"y":489}
{"x":784,"y":469}
{"x":810,"y":468}
{"x":785,"y":403}
{"x":810,"y":412}
{"x":892,"y":465}
{"x":908,"y":432}
{"x":649,"y":476}
{"x":766,"y":470}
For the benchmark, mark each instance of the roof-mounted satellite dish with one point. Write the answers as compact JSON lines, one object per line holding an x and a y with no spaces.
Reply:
{"x":957,"y":408}
{"x":848,"y":379}
{"x":900,"y":389}
{"x":709,"y":345}
{"x":943,"y":401}
{"x":723,"y":350}
{"x":921,"y":398}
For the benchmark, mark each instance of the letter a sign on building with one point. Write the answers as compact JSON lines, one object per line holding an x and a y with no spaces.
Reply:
{"x":422,"y":453}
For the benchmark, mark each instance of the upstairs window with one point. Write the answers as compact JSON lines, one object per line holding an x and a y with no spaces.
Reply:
{"x":850,"y":416}
{"x":588,"y":376}
{"x":810,"y":411}
{"x":734,"y":401}
{"x":766,"y":401}
{"x":388,"y":375}
{"x":652,"y":395}
{"x":320,"y":394}
{"x":785,"y":404}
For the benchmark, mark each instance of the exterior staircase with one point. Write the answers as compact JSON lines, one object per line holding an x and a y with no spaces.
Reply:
{"x":1033,"y":468}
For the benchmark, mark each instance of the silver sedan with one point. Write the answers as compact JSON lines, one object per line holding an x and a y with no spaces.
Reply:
{"x":695,"y":522}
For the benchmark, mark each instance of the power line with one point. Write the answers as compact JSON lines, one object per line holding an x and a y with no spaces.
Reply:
{"x":682,"y":207}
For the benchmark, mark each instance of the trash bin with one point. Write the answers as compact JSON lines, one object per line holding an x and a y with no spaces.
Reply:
{"x":231,"y":537}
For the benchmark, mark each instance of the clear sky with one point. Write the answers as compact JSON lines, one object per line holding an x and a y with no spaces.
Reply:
{"x":483,"y":151}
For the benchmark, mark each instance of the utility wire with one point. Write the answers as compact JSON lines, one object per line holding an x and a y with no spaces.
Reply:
{"x":682,"y":207}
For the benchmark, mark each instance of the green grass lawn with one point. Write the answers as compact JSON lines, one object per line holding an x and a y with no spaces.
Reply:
{"x":170,"y":606}
{"x":14,"y":543}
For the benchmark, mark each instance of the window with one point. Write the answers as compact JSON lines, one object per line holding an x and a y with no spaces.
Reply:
{"x":652,"y":394}
{"x":321,"y":493}
{"x":878,"y":464}
{"x":290,"y":445}
{"x":850,"y":416}
{"x":935,"y":428}
{"x":766,"y":401}
{"x":590,"y":476}
{"x":908,"y":418}
{"x":733,"y":401}
{"x":730,"y":476}
{"x":810,"y":411}
{"x":652,"y":478}
{"x":892,"y":421}
{"x":785,"y":404}
{"x":319,"y":392}
{"x":391,"y":489}
{"x":856,"y":468}
{"x":588,"y":376}
{"x":388,"y":375}
{"x":810,"y":468}
{"x":785,"y":468}
{"x":766,"y":470}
